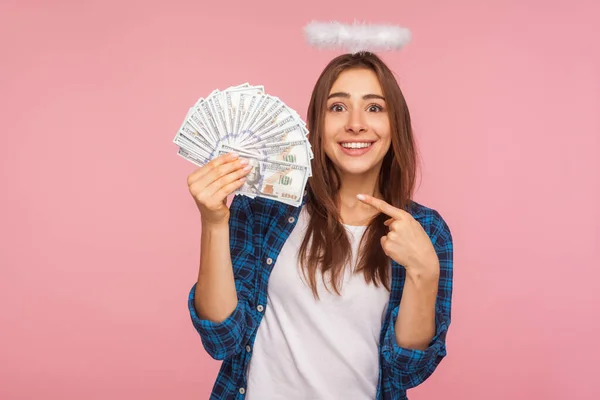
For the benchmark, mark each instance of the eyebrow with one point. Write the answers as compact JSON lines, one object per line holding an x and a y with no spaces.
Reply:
{"x":347,"y":96}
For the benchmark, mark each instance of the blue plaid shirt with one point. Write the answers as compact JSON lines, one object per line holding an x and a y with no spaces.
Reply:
{"x":258,"y":230}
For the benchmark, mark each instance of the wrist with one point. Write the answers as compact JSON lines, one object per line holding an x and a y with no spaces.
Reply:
{"x":215,"y":226}
{"x":423,"y":276}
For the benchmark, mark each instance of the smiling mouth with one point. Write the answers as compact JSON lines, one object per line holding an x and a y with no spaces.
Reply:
{"x":355,"y":149}
{"x":356,"y":145}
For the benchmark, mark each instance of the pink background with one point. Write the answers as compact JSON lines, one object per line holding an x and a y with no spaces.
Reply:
{"x":99,"y":237}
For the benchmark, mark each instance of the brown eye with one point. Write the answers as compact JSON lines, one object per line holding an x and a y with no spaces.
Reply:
{"x":336,"y":108}
{"x":375,"y":108}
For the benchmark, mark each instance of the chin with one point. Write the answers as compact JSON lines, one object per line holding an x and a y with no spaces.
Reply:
{"x":357,"y":162}
{"x":356,"y":167}
{"x":357,"y":170}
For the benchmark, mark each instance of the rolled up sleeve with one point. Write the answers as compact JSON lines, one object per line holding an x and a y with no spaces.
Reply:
{"x":411,"y":367}
{"x":222,"y":339}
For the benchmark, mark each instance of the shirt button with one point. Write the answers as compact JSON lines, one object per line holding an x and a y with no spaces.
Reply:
{"x":269,"y":261}
{"x":260,"y":308}
{"x":248,"y":349}
{"x":291,"y":219}
{"x":242,"y":390}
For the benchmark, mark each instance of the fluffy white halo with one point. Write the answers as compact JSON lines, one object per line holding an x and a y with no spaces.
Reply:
{"x":356,"y":37}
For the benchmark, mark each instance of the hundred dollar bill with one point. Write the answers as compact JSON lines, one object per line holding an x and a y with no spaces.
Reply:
{"x":282,"y":134}
{"x":195,"y":159}
{"x":191,"y":146}
{"x":189,"y":135}
{"x":269,"y":116}
{"x":240,"y":114}
{"x":259,"y":108}
{"x":249,"y":109}
{"x":216,"y":112}
{"x":283,"y":114}
{"x":280,"y":121}
{"x":206,"y":117}
{"x":196,"y":134}
{"x":297,"y":152}
{"x":228,"y":148}
{"x":233,"y":103}
{"x":274,"y":180}
{"x":274,"y":104}
{"x":195,"y":123}
{"x":267,"y":108}
{"x":220,"y":103}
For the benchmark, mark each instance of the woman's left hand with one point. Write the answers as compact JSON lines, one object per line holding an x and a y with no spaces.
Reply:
{"x":407,"y":243}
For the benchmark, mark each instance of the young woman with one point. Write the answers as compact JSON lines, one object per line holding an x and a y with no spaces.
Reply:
{"x":347,"y":296}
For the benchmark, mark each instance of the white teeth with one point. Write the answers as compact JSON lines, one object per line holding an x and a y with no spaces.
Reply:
{"x":355,"y":145}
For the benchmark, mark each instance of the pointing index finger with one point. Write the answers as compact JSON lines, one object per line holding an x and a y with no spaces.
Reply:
{"x":382,"y":206}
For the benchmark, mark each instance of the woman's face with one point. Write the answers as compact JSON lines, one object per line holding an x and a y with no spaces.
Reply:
{"x":254,"y":174}
{"x":357,"y":127}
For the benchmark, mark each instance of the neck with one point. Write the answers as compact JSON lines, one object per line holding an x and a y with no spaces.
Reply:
{"x":352,"y":210}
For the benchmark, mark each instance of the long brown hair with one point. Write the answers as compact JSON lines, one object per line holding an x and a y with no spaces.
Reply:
{"x":326,"y":246}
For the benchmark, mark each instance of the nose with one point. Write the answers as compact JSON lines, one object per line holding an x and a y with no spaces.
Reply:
{"x":356,"y":123}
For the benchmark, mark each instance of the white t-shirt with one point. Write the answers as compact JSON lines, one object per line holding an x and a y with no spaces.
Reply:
{"x":322,"y":349}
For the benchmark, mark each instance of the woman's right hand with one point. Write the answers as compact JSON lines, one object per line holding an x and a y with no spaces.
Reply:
{"x":211,"y":184}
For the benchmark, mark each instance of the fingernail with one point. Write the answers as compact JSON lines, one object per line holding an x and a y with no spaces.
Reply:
{"x":247,"y":167}
{"x":243,"y":161}
{"x":234,"y":155}
{"x":360,"y":196}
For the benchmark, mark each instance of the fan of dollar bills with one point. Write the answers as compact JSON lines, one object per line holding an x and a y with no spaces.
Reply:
{"x":259,"y":127}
